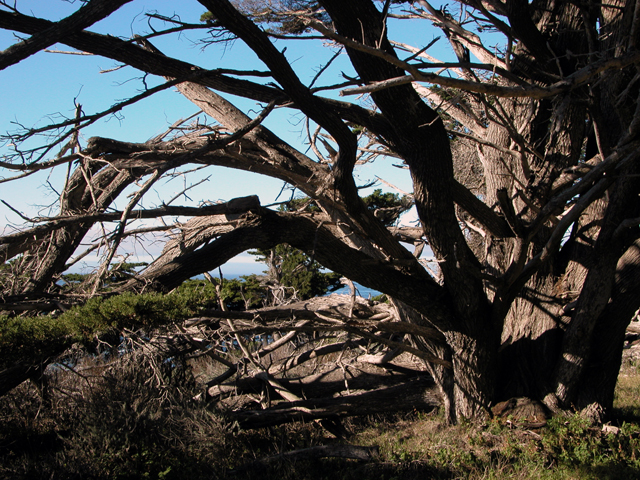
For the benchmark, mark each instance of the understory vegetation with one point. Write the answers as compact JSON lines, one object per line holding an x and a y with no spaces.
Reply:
{"x":136,"y":418}
{"x":35,"y":336}
{"x":123,"y":405}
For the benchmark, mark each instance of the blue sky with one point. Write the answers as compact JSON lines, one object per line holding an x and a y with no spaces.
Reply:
{"x":44,"y":86}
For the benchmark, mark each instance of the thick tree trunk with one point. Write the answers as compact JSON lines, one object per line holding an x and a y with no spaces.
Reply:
{"x":598,"y":382}
{"x":421,"y":139}
{"x":474,"y":371}
{"x":467,"y":387}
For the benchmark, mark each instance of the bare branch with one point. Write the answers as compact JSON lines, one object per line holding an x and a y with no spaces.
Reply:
{"x":570,"y":82}
{"x":235,"y":206}
{"x":90,"y":13}
{"x":117,"y":237}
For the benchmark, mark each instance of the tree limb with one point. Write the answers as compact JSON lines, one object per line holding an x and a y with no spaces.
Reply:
{"x":87,"y":15}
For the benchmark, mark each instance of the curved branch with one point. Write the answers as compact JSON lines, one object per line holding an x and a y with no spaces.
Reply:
{"x":264,"y":228}
{"x":157,"y":64}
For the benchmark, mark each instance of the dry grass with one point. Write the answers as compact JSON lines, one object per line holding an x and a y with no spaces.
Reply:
{"x":130,"y":421}
{"x":626,"y":402}
{"x":421,"y":445}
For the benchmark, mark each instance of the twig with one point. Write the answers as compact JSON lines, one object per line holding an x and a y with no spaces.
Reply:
{"x":121,"y":227}
{"x":27,"y":219}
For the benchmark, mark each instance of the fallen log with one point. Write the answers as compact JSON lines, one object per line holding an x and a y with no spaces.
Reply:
{"x":416,"y":394}
{"x":326,"y":384}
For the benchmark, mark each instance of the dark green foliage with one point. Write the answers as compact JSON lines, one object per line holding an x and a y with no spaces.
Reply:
{"x":244,"y":293}
{"x":382,"y":298}
{"x":241,"y":293}
{"x":200,"y":292}
{"x":304,"y":274}
{"x":129,"y":310}
{"x":74,"y":278}
{"x":574,"y":440}
{"x":301,"y":203}
{"x":387,"y":207}
{"x":356,"y":129}
{"x":381,"y":200}
{"x":35,"y":338}
{"x":294,"y":269}
{"x":207,"y":17}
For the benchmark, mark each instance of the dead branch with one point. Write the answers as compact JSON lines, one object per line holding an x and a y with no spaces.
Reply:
{"x":417,"y":394}
{"x":232,"y":207}
{"x":118,"y":235}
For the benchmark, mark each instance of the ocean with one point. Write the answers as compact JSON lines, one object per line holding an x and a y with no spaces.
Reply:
{"x":364,"y":292}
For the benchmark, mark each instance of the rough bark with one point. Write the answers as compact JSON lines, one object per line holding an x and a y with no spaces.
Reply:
{"x":91,"y":13}
{"x":598,"y":380}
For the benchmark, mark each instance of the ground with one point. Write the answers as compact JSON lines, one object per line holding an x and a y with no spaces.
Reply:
{"x":123,"y":430}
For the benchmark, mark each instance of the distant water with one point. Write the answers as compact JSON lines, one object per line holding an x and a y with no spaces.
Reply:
{"x":360,"y":290}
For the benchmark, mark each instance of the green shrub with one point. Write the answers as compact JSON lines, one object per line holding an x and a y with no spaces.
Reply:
{"x":35,"y":338}
{"x":573,"y":440}
{"x":243,"y":293}
{"x":23,"y":338}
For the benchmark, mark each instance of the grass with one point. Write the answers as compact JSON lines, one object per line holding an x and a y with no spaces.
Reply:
{"x":626,"y":402}
{"x":566,"y":449}
{"x":136,"y":419}
{"x":123,"y":425}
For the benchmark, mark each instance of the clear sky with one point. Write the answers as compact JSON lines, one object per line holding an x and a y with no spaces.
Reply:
{"x":44,"y":87}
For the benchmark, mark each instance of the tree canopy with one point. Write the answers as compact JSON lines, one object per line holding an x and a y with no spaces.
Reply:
{"x":523,"y":155}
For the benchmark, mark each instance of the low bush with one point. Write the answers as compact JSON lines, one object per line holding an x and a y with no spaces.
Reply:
{"x":35,"y":338}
